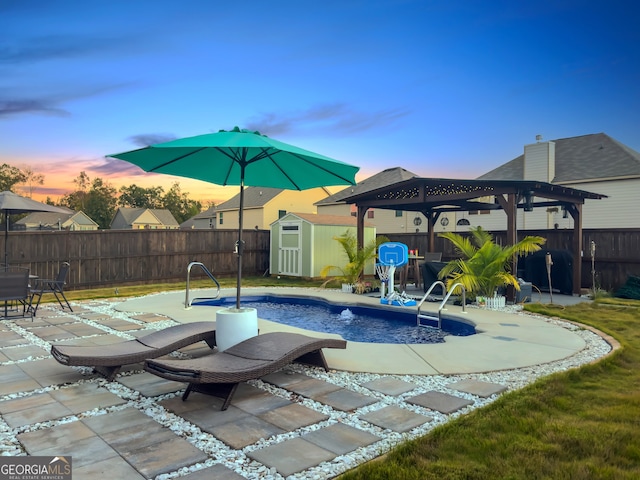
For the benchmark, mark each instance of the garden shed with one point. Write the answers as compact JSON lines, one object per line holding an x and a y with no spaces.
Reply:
{"x":302,"y":243}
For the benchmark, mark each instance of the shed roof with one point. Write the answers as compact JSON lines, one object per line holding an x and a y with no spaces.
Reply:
{"x":318,"y":219}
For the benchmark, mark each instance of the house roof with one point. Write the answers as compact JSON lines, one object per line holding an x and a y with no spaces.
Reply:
{"x":381,"y":179}
{"x":46,"y":218}
{"x":587,"y":157}
{"x":318,"y":219}
{"x":253,"y":197}
{"x":164,"y":216}
{"x":208,"y":213}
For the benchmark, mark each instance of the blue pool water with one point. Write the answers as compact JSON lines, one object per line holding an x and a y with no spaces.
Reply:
{"x":354,"y":323}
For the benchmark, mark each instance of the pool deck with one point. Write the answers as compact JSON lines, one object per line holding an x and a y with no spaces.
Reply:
{"x":503,"y":340}
{"x":298,"y":423}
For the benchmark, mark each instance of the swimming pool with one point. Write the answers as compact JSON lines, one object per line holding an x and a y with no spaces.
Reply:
{"x":356,"y":323}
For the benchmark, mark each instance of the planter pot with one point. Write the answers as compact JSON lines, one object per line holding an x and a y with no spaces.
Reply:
{"x":233,"y":325}
{"x":481,"y":301}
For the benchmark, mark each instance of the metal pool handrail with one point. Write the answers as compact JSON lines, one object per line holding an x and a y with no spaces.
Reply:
{"x":442,"y":304}
{"x":187,"y":303}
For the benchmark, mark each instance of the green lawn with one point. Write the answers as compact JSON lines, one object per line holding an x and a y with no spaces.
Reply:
{"x":225,"y":282}
{"x":579,"y":424}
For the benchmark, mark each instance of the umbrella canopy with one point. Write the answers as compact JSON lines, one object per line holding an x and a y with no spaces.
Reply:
{"x":240,"y":157}
{"x":12,"y":204}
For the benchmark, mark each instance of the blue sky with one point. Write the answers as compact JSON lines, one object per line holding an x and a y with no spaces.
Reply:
{"x":441,"y":88}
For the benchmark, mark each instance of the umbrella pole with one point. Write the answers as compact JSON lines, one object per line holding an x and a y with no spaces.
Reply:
{"x":6,"y":238}
{"x":240,"y":246}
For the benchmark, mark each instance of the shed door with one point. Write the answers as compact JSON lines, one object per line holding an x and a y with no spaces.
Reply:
{"x":289,"y":255}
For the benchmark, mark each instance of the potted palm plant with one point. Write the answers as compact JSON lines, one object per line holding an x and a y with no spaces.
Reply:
{"x":484,"y":266}
{"x":350,"y":274}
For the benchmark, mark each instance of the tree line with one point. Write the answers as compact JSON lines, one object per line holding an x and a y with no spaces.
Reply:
{"x":99,"y":199}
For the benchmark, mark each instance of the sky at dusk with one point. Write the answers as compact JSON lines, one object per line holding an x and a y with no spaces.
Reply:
{"x":441,"y":88}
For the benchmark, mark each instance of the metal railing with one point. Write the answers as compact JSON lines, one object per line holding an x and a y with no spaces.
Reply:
{"x":187,"y":303}
{"x":442,"y":304}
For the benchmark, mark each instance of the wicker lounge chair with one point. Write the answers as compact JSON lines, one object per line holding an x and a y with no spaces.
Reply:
{"x":108,"y":359}
{"x":219,"y":373}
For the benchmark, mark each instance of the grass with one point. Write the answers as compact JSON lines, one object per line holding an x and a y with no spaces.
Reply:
{"x":579,"y":424}
{"x":225,"y":282}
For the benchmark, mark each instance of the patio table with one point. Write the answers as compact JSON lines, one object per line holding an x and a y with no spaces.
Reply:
{"x":411,"y":267}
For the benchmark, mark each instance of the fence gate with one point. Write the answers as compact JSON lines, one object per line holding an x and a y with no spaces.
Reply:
{"x":289,"y":262}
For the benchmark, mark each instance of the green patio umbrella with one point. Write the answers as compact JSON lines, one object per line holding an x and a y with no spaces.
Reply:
{"x":241,"y":157}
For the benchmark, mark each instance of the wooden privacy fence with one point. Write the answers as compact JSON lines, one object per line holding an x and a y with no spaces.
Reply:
{"x":118,"y":257}
{"x":617,"y":251}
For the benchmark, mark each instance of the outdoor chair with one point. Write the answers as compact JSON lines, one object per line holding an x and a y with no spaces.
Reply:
{"x":14,"y":291}
{"x":219,"y":373}
{"x":432,"y":256}
{"x":55,"y":286}
{"x":108,"y":359}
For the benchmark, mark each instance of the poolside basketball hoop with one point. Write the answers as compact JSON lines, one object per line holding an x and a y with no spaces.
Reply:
{"x":390,"y":256}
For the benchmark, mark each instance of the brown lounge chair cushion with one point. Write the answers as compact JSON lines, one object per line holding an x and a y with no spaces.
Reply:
{"x":220,"y":373}
{"x":108,"y":359}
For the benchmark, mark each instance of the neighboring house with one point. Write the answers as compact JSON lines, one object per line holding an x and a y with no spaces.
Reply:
{"x":385,"y":221}
{"x":203,"y":220}
{"x":263,"y":206}
{"x":596,"y":163}
{"x":143,"y":218}
{"x":56,"y":221}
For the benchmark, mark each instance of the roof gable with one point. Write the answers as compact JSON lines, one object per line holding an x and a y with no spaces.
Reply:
{"x":165,"y":216}
{"x":146,"y":215}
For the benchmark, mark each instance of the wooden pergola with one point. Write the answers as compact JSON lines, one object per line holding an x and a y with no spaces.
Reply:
{"x":434,"y":196}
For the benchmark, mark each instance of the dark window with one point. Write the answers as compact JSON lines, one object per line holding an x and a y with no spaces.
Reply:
{"x":369,"y":213}
{"x":281,"y":213}
{"x":398,"y":213}
{"x":221,"y":218}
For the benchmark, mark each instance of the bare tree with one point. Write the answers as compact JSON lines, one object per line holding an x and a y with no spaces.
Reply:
{"x":31,"y":180}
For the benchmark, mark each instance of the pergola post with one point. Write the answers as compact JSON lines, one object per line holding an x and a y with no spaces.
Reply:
{"x":432,"y":217}
{"x":576,"y":213}
{"x":510,"y":207}
{"x":360,"y":225}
